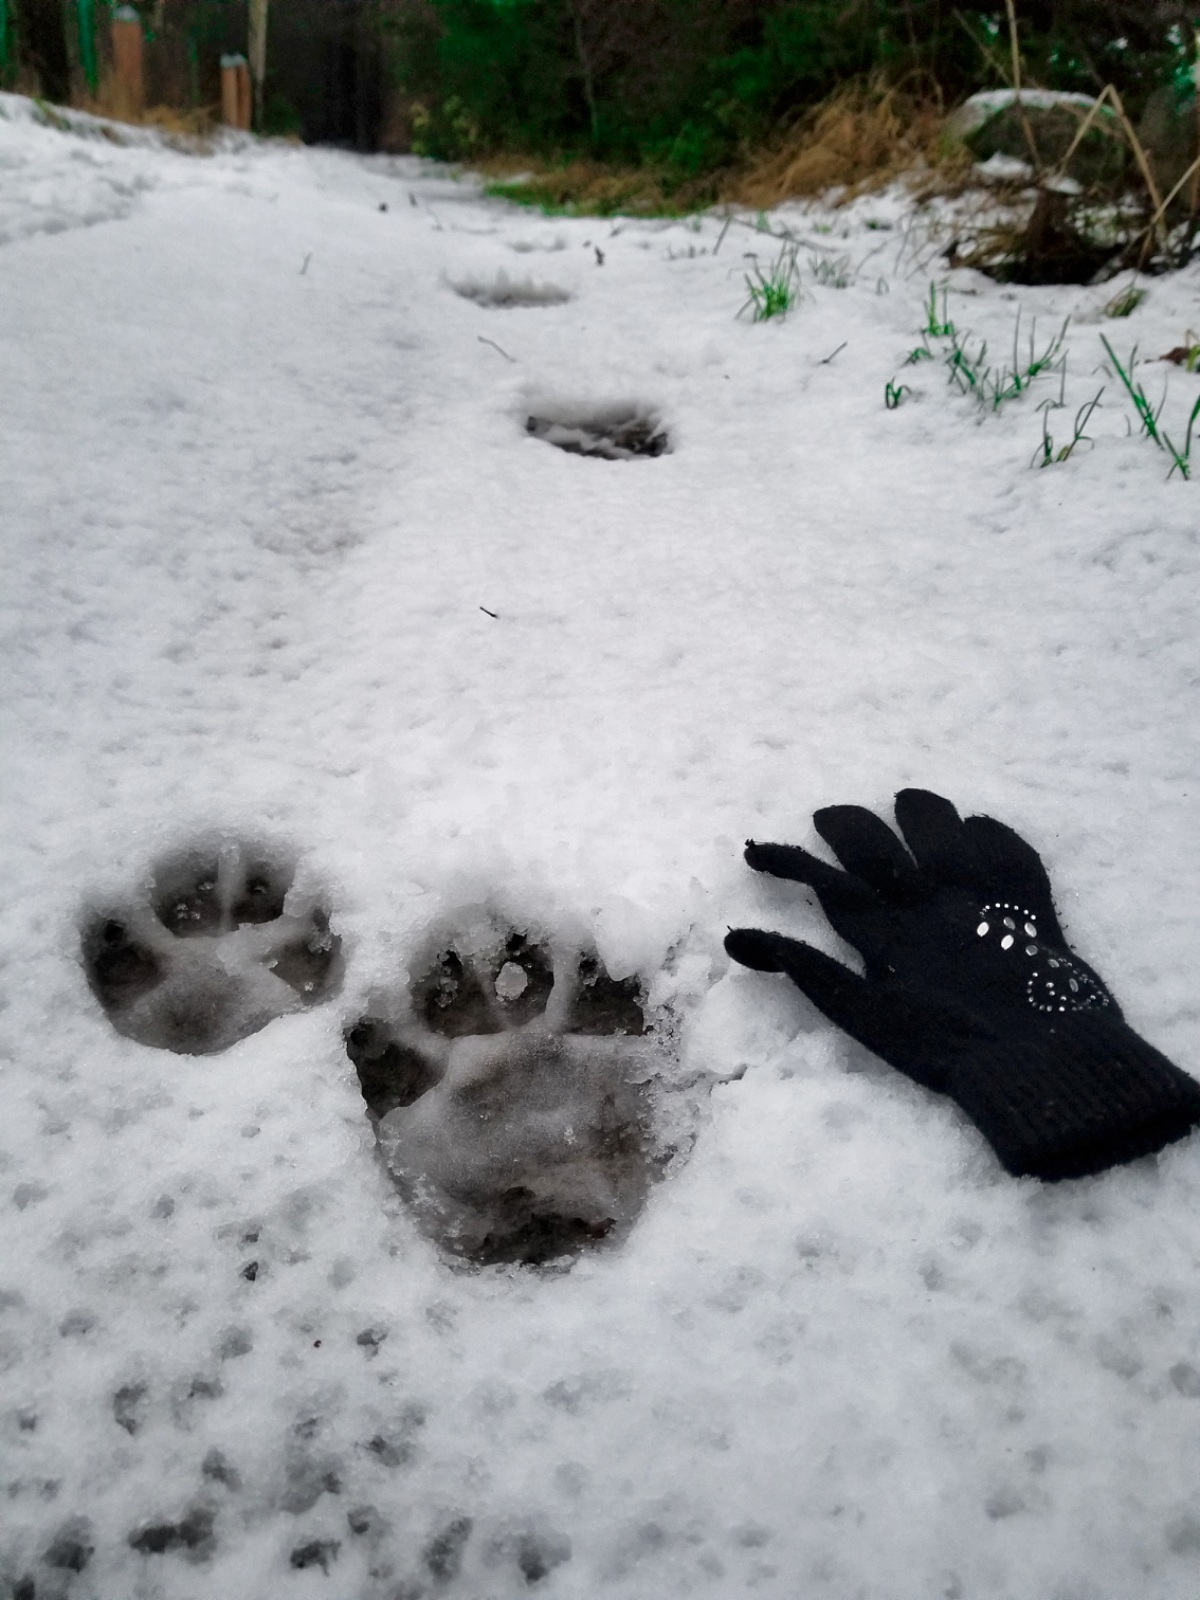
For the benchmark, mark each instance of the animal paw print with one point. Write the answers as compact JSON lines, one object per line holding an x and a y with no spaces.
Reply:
{"x":611,"y":433}
{"x":509,"y":1093}
{"x":219,"y":947}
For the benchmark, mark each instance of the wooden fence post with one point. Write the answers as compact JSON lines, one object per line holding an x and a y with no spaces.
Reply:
{"x":130,"y":82}
{"x":235,"y":92}
{"x":245,"y":97}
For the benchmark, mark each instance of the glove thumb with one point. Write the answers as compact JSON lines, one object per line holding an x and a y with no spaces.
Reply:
{"x":903,"y":1028}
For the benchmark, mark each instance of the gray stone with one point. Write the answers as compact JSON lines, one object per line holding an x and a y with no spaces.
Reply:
{"x":990,"y":124}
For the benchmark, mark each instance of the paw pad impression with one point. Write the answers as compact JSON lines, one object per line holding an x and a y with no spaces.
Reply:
{"x":509,"y":1091}
{"x":610,"y":433}
{"x":219,"y":947}
{"x":504,"y":293}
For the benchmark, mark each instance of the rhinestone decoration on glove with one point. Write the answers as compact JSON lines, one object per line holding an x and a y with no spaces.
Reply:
{"x":1056,"y":984}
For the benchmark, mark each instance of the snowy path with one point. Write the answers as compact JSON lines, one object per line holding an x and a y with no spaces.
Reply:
{"x":260,"y":470}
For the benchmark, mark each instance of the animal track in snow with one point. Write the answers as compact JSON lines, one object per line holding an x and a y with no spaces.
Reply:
{"x":509,"y":1093}
{"x":611,"y":433}
{"x":503,"y":293}
{"x":218,"y":947}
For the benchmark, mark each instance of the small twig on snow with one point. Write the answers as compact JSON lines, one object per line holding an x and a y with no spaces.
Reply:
{"x":495,"y":346}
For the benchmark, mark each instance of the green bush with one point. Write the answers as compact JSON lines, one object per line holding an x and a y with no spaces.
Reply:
{"x":685,"y":85}
{"x":281,"y":119}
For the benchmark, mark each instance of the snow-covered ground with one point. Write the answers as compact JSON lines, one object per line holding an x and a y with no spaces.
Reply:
{"x":262,"y":469}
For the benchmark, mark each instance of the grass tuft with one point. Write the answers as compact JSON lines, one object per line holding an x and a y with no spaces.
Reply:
{"x":937,"y":327}
{"x":1047,"y":455}
{"x":966,"y":359}
{"x":1149,"y":415}
{"x":831,"y":272}
{"x":774,"y":292}
{"x":1125,"y":302}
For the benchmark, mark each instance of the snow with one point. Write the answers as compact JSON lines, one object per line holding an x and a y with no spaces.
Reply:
{"x":286,"y":577}
{"x":981,"y":107}
{"x":1006,"y":169}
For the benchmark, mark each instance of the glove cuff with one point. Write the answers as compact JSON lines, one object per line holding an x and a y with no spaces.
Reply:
{"x":1085,"y":1095}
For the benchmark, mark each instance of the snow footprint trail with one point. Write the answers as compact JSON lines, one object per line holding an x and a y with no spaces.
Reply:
{"x":260,"y":475}
{"x":213,"y":953}
{"x":509,"y":1093}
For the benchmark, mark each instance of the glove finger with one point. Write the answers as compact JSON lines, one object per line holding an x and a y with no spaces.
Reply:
{"x":833,"y":988}
{"x":933,"y":831}
{"x":865,"y":845}
{"x":899,"y":1028}
{"x":1012,"y":869}
{"x":755,"y":948}
{"x":841,"y":891}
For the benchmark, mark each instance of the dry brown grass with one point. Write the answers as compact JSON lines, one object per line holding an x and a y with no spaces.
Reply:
{"x":186,"y":126}
{"x":862,"y":137}
{"x":198,"y":124}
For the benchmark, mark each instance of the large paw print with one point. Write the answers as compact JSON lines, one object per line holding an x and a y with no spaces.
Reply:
{"x":218,"y":947}
{"x":509,"y":1091}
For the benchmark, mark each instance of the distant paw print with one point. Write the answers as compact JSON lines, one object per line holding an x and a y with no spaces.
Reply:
{"x":212,"y":954}
{"x":509,"y":1095}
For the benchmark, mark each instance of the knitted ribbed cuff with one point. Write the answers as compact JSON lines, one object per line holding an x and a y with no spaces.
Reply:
{"x":1084,"y":1094}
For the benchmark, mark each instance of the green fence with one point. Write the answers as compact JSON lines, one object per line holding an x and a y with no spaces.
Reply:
{"x":85,"y":11}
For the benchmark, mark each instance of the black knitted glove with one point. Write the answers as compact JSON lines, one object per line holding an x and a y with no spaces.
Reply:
{"x":970,"y":988}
